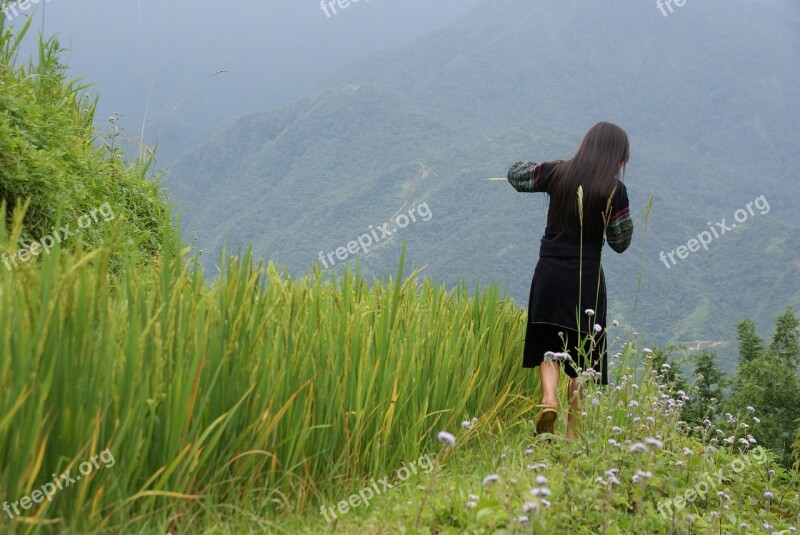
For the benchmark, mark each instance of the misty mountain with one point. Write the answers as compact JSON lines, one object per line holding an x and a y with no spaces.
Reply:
{"x":706,"y":95}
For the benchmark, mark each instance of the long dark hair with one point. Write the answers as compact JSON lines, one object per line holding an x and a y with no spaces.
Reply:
{"x":597,"y":166}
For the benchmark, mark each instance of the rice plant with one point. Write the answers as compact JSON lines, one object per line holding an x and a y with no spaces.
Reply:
{"x":258,"y":387}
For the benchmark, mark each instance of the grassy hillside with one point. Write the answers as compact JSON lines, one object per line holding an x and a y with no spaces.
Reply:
{"x":70,"y":183}
{"x":249,"y":403}
{"x":710,"y":133}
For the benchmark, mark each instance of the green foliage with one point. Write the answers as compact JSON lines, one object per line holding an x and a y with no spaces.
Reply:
{"x":707,"y":392}
{"x":770,"y":384}
{"x":51,"y":162}
{"x":664,"y":359}
{"x":784,"y":344}
{"x":750,"y":344}
{"x":796,"y":447}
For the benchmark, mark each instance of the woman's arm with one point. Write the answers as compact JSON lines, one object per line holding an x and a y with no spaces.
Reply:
{"x":620,"y":226}
{"x":529,"y":176}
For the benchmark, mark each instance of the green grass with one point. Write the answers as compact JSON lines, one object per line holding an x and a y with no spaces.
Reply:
{"x":245,"y":404}
{"x":685,"y":459}
{"x":257,"y":387}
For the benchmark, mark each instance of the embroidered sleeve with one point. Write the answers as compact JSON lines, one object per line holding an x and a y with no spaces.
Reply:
{"x":528,"y":176}
{"x":620,"y":227}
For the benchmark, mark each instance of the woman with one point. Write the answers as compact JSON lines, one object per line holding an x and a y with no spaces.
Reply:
{"x":567,"y":306}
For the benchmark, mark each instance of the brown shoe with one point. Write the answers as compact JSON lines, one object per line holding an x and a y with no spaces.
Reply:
{"x":546,"y":421}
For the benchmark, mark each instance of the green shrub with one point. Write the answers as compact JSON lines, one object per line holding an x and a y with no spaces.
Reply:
{"x":54,"y":162}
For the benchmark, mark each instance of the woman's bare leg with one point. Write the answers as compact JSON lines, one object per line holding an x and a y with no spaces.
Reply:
{"x":575,"y":399}
{"x":548,"y":371}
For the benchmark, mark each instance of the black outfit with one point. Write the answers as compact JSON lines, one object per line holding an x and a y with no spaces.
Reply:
{"x":567,"y":281}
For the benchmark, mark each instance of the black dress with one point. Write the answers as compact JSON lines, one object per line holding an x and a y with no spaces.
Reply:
{"x":567,"y":305}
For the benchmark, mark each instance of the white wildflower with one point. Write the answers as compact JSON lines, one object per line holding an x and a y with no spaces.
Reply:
{"x":654,"y":442}
{"x":490,"y":479}
{"x":446,"y":438}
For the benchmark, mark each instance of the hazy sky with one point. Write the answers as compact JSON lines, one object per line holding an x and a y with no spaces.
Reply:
{"x":272,"y":50}
{"x":161,"y":56}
